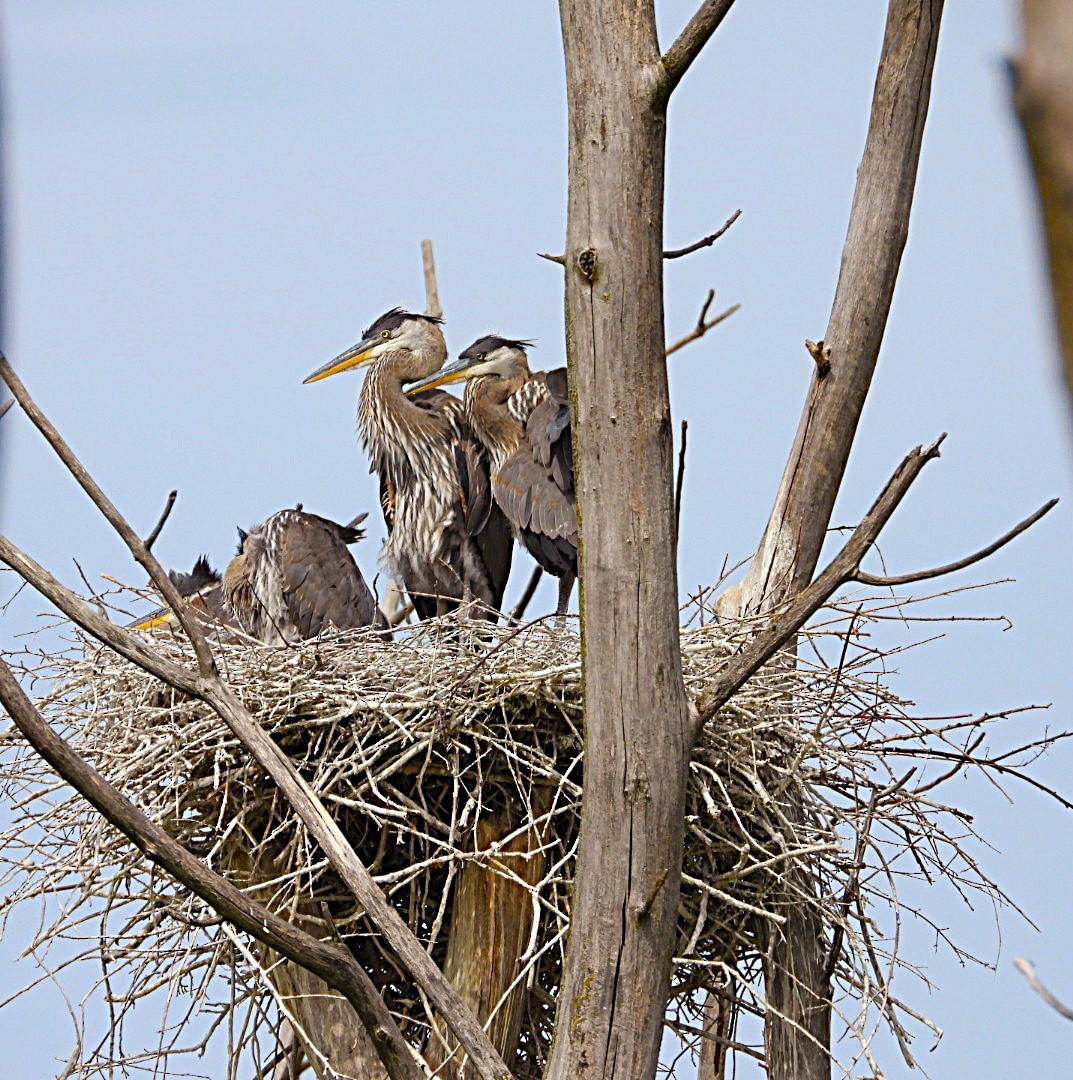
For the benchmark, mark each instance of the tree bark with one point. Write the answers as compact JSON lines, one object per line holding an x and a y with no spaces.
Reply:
{"x":1044,"y":100}
{"x":637,"y":719}
{"x":797,"y":1035}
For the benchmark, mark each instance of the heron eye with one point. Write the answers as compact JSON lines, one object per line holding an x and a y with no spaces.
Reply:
{"x":480,"y":357}
{"x":385,"y":334}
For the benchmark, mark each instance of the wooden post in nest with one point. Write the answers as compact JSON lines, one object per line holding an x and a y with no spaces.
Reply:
{"x":491,"y":921}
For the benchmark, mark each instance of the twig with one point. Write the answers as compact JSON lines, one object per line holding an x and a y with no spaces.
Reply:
{"x":432,"y":296}
{"x":150,"y":540}
{"x":7,"y":405}
{"x":527,"y":595}
{"x":208,"y":686}
{"x":703,"y":327}
{"x":706,"y":242}
{"x":1029,"y":972}
{"x":679,"y":481}
{"x":691,"y":40}
{"x":959,"y":564}
{"x":331,"y":962}
{"x":560,"y":259}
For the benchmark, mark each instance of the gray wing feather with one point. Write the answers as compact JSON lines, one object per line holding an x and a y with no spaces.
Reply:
{"x":322,"y":584}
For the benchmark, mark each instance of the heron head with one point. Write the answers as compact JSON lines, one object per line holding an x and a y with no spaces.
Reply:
{"x":395,"y":331}
{"x":197,"y":584}
{"x":503,"y":358}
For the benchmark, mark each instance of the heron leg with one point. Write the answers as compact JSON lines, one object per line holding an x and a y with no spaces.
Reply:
{"x":566,"y":587}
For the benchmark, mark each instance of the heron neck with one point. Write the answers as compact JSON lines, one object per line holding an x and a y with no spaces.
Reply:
{"x":384,"y":410}
{"x":491,"y":420}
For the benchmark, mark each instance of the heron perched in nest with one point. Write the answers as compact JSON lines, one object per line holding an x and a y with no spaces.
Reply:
{"x":448,"y":540}
{"x":202,"y":589}
{"x":294,"y":576}
{"x":523,"y":419}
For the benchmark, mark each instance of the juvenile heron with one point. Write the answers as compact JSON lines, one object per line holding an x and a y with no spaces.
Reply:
{"x":294,"y":577}
{"x":448,"y":541}
{"x":523,"y":419}
{"x":202,"y":589}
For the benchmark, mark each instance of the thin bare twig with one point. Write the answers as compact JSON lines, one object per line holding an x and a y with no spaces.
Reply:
{"x":150,"y":540}
{"x":432,"y":295}
{"x":7,"y":405}
{"x":959,"y":564}
{"x":691,"y":40}
{"x":1029,"y":972}
{"x":560,"y":259}
{"x":679,"y":480}
{"x":677,"y":253}
{"x":703,"y":323}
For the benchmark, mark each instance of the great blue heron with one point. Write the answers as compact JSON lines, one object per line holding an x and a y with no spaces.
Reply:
{"x":202,"y":589}
{"x":523,"y":418}
{"x":448,"y":541}
{"x":294,"y":577}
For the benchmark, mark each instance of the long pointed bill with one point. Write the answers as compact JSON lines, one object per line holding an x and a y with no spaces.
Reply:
{"x":353,"y":357}
{"x":153,"y":619}
{"x":452,"y":373}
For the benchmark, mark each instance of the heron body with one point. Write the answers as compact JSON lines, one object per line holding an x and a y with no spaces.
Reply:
{"x":294,"y":577}
{"x":447,"y":539}
{"x":523,"y":420}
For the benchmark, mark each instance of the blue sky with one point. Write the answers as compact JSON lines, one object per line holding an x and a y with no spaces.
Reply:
{"x":209,"y":200}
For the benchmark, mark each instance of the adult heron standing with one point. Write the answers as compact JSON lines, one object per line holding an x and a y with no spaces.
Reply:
{"x":523,"y":419}
{"x":448,"y":541}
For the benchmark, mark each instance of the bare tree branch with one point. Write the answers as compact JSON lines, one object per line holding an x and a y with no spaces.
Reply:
{"x":692,"y":39}
{"x":7,"y":405}
{"x":331,"y":962}
{"x":209,"y":687}
{"x":959,"y":564}
{"x":1027,"y":970}
{"x":150,"y":540}
{"x":432,"y":295}
{"x":784,"y":623}
{"x":679,"y":481}
{"x":1044,"y":101}
{"x":706,"y":242}
{"x":703,"y":323}
{"x":797,"y":1034}
{"x":871,"y":256}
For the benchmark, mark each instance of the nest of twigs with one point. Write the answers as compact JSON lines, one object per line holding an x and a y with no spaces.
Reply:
{"x":415,"y":743}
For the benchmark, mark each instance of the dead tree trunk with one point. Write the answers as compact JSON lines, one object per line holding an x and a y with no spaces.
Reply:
{"x":797,"y":1037}
{"x":637,"y":724}
{"x":1044,"y":100}
{"x":492,"y":917}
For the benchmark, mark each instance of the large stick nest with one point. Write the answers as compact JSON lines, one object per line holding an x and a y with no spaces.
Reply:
{"x":413,"y":744}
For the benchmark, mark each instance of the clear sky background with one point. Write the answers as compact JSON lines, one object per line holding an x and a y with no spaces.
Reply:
{"x":209,"y":200}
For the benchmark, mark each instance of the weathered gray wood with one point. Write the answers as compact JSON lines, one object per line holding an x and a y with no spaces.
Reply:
{"x":637,"y":722}
{"x":871,"y":256}
{"x":1044,"y":100}
{"x":491,"y":920}
{"x":797,"y":1035}
{"x":335,"y":1043}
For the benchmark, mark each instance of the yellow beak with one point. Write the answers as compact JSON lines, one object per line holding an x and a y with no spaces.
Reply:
{"x":353,"y":357}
